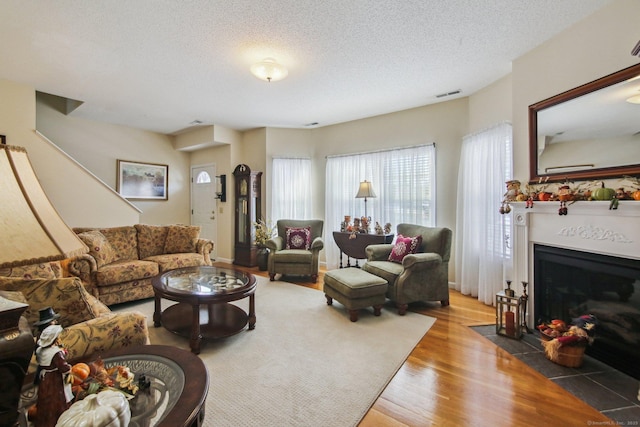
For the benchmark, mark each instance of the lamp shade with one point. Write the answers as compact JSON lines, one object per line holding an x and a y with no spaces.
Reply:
{"x":365,"y":190}
{"x":31,"y":231}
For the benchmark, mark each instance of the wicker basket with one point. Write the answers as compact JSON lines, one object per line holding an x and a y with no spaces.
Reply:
{"x":570,"y":356}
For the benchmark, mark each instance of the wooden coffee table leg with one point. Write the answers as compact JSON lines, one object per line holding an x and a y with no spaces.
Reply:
{"x":196,"y":338}
{"x":252,"y":311}
{"x":157,"y":313}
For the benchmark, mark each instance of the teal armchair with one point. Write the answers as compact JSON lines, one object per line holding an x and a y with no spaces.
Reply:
{"x":423,"y":276}
{"x":301,"y":262}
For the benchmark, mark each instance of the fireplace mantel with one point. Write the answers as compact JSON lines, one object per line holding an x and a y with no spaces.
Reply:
{"x":588,"y":227}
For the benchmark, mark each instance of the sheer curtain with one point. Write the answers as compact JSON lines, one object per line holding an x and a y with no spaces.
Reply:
{"x":403,"y":180}
{"x":291,"y":189}
{"x":482,"y":251}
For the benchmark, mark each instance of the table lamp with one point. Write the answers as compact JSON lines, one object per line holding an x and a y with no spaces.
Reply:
{"x":365,"y":190}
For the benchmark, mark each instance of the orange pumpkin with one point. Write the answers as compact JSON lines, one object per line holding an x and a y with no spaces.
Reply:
{"x":80,"y":372}
{"x":544,"y":196}
{"x":636,"y":195}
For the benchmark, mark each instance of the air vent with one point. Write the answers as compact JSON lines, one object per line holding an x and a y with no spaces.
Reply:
{"x":442,"y":95}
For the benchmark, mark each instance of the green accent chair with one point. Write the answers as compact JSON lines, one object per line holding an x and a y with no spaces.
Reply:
{"x":423,"y":276}
{"x":298,"y":262}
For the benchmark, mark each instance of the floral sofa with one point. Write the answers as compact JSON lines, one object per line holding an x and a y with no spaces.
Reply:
{"x":90,"y":327}
{"x":122,"y":261}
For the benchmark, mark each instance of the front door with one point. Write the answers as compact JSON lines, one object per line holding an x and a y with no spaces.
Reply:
{"x":204,"y":203}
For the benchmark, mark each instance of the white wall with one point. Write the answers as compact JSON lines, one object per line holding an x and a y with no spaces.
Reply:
{"x":98,"y":146}
{"x":491,"y":105}
{"x":597,"y":46}
{"x":75,"y":195}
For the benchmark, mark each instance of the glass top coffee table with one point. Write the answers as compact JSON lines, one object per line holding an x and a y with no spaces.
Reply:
{"x":178,"y":384}
{"x":204,"y":295}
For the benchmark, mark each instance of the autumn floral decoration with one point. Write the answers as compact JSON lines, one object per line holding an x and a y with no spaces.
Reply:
{"x":557,"y":333}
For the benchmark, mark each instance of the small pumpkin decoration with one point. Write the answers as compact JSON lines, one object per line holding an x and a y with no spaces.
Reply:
{"x":603,"y":193}
{"x":107,"y":408}
{"x":544,"y":196}
{"x":636,"y":195}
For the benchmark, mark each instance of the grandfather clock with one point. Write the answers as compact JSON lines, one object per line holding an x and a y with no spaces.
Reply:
{"x":248,"y":211}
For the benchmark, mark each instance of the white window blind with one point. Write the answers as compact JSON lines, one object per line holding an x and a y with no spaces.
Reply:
{"x":403,"y":180}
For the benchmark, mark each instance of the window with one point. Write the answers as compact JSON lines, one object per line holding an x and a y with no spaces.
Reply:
{"x":403,"y":180}
{"x":291,"y":189}
{"x":203,"y":178}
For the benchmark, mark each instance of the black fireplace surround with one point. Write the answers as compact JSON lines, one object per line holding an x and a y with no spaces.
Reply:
{"x":569,"y":283}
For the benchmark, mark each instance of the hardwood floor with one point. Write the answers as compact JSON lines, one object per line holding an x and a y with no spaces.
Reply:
{"x":455,"y":377}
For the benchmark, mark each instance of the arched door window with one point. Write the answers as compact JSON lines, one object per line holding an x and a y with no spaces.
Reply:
{"x":203,"y":178}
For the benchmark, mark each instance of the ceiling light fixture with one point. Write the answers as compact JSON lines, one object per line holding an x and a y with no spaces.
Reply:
{"x":269,"y":70}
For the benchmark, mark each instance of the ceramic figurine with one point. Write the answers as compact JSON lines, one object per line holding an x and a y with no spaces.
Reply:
{"x":378,"y":228}
{"x":48,"y":317}
{"x":54,"y":392}
{"x":387,"y":228}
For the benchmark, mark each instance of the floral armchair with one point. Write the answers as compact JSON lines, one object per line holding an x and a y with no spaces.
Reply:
{"x":295,"y":250}
{"x":417,"y":275}
{"x":89,"y":326}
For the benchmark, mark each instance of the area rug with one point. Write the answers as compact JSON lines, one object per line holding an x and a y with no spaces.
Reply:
{"x":305,"y":363}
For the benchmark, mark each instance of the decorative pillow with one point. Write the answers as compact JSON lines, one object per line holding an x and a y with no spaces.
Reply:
{"x":99,"y":247}
{"x":403,"y":247}
{"x":181,"y":239}
{"x":298,"y":238}
{"x":151,"y":240}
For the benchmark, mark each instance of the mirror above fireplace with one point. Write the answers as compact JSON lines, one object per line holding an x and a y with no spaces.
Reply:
{"x":588,"y":132}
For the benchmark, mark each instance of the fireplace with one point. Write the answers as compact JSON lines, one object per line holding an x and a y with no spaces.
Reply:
{"x":571,"y":283}
{"x":585,"y":262}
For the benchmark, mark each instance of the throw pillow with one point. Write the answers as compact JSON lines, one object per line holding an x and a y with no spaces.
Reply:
{"x":99,"y":247}
{"x":181,"y":239}
{"x":151,"y":240}
{"x":403,"y":247}
{"x":298,"y":238}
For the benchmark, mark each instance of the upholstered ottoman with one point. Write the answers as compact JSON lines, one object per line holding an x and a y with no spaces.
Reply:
{"x":355,"y":289}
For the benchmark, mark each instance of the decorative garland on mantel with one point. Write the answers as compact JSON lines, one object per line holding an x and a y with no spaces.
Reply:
{"x":627,"y":188}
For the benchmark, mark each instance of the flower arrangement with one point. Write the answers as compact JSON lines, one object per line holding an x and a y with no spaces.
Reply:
{"x":265,"y":230}
{"x":93,"y":377}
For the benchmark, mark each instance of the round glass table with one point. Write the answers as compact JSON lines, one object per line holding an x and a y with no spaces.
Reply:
{"x":203,"y":295}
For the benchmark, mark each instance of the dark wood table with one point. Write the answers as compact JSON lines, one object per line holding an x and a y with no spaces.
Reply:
{"x":204,"y":295}
{"x":178,"y":391}
{"x":354,"y":244}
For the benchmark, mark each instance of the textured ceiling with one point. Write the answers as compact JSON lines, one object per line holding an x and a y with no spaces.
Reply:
{"x":161,"y":64}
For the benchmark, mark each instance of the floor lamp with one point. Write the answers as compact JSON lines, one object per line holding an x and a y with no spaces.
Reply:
{"x":365,"y":190}
{"x":32,"y":232}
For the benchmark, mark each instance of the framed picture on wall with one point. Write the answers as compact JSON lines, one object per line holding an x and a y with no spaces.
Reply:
{"x":142,"y":181}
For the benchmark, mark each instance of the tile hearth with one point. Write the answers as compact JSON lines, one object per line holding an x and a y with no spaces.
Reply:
{"x":611,"y":392}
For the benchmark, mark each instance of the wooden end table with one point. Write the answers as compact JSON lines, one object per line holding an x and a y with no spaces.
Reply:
{"x":179,"y":384}
{"x":204,"y":295}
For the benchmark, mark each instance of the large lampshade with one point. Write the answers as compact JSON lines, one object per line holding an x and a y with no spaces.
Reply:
{"x":31,"y":231}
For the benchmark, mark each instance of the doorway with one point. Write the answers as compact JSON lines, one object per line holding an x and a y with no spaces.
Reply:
{"x":204,"y":203}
